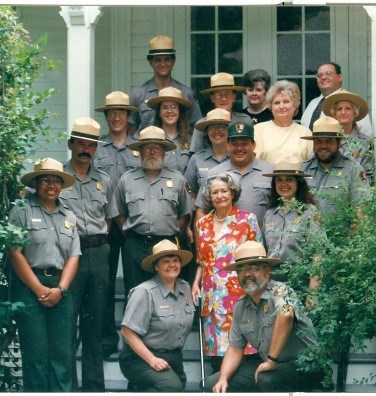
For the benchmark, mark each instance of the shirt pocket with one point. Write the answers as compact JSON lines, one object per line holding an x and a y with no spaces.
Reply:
{"x":146,"y":113}
{"x":168,"y":201}
{"x":262,"y":193}
{"x":104,"y":163}
{"x":166,"y":318}
{"x":135,"y":203}
{"x":247,"y":329}
{"x":66,"y":236}
{"x":67,"y":195}
{"x":37,"y":232}
{"x":98,"y":199}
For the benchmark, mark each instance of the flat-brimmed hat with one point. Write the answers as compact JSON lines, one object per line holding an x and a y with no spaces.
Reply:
{"x":162,"y":249}
{"x":240,"y":129}
{"x":117,"y":100}
{"x":216,"y":116}
{"x":48,"y":166}
{"x":169,"y":94}
{"x":161,"y":45}
{"x":152,"y":134}
{"x":325,"y":127}
{"x":86,"y":128}
{"x":250,"y":252}
{"x":287,"y":169}
{"x":222,"y":81}
{"x":347,"y":96}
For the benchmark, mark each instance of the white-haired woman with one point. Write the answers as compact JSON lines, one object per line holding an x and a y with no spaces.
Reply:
{"x":280,"y":139}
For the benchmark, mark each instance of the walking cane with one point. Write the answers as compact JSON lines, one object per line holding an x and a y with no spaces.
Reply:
{"x":202,"y":383}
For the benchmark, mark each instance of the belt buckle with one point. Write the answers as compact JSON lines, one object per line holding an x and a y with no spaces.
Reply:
{"x":148,"y":239}
{"x":45,"y":272}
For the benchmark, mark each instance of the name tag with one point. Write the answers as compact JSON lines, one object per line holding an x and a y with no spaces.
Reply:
{"x":37,"y":220}
{"x":164,"y":307}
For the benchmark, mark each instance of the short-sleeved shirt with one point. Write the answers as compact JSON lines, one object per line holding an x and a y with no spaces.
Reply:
{"x":153,"y":207}
{"x":116,"y":160}
{"x":255,"y":323}
{"x":198,"y":138}
{"x":162,"y":318}
{"x":199,"y":166}
{"x":149,"y":89}
{"x":341,"y":181}
{"x":263,"y":116}
{"x":52,"y":236}
{"x":287,"y":232}
{"x":256,"y":188}
{"x":91,"y":200}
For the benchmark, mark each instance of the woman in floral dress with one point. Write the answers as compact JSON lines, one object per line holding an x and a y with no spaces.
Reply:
{"x":220,"y":232}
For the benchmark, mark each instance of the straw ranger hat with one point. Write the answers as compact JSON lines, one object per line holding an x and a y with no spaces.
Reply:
{"x":287,"y":169}
{"x":347,"y":96}
{"x":117,"y":101}
{"x":169,"y":94}
{"x":161,"y":45}
{"x":222,"y":81}
{"x":86,"y":128}
{"x":48,"y":166}
{"x":152,"y":134}
{"x":162,"y":249}
{"x":250,"y":252}
{"x":216,"y":116}
{"x":325,"y":127}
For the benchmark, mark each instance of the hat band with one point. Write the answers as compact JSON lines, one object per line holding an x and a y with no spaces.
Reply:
{"x":334,"y":134}
{"x":239,"y":261}
{"x":223,"y":86}
{"x":117,"y":105}
{"x":152,"y":140}
{"x":84,"y":135}
{"x":157,"y":51}
{"x":292,"y":172}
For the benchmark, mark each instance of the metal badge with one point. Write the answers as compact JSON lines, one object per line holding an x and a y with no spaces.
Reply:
{"x":356,"y":153}
{"x":67,"y":224}
{"x":169,"y":184}
{"x":136,"y":153}
{"x":266,"y":308}
{"x":99,"y":186}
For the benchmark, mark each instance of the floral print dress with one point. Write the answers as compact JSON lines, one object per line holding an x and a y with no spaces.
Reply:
{"x":220,"y":288}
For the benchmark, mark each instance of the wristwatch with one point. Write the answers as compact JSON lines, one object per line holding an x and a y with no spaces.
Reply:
{"x":62,"y":290}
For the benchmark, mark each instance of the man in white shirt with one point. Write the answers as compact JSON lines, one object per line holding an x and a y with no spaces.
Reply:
{"x":329,"y":80}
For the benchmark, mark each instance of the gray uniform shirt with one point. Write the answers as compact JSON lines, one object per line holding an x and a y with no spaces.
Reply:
{"x":286,"y":233}
{"x":339,"y":183}
{"x":255,"y":323}
{"x":199,"y":166}
{"x":91,"y":200}
{"x":116,"y":160}
{"x":161,"y":318}
{"x":198,"y":138}
{"x":153,"y":207}
{"x":53,"y":235}
{"x":256,"y":188}
{"x":149,"y":89}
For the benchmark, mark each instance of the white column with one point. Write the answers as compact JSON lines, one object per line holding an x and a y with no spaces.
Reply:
{"x":80,"y":21}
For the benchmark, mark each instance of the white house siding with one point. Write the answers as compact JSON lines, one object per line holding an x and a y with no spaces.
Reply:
{"x":121,"y":44}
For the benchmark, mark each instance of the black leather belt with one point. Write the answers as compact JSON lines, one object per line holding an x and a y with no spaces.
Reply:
{"x":151,"y":239}
{"x":93,"y":240}
{"x":50,"y":271}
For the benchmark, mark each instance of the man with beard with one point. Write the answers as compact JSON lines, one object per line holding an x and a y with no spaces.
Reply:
{"x":269,"y":317}
{"x":153,"y":203}
{"x":91,"y":200}
{"x":335,"y":177}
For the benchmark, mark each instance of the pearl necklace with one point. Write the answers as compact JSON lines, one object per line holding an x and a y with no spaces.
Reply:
{"x":218,"y":219}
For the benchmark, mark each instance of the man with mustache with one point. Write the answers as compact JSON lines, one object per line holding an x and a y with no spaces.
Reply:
{"x":269,"y":317}
{"x":335,"y":177}
{"x":154,"y":204}
{"x":91,"y":200}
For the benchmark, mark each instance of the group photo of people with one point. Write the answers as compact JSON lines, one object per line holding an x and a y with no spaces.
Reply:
{"x":204,"y":215}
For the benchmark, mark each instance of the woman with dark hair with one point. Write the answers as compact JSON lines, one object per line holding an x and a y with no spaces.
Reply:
{"x":220,"y":232}
{"x":292,"y":218}
{"x":172,"y":115}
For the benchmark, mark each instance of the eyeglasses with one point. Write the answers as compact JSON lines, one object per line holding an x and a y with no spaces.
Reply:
{"x":226,"y":95}
{"x":253,"y":269}
{"x":217,"y":127}
{"x":326,"y":73}
{"x":171,"y":108}
{"x":120,"y":114}
{"x":149,"y":148}
{"x":56,"y":181}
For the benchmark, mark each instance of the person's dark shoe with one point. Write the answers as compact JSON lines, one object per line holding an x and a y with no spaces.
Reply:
{"x":108,"y":350}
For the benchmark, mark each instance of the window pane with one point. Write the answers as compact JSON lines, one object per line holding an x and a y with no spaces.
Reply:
{"x":230,"y":18}
{"x":317,"y":18}
{"x":197,"y":85}
{"x":230,"y":53}
{"x":317,"y":50}
{"x":202,"y":54}
{"x":289,"y":54}
{"x":202,"y":18}
{"x":289,"y":19}
{"x":312,"y":91}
